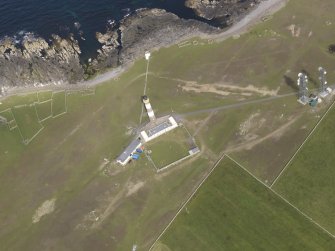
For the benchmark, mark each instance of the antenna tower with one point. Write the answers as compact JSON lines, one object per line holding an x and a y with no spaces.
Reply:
{"x":303,"y":90}
{"x":323,"y":81}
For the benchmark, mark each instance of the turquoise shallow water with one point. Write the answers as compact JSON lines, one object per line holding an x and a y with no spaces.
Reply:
{"x":81,"y":17}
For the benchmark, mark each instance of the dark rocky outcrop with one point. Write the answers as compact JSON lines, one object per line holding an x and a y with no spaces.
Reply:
{"x":153,"y":28}
{"x":144,"y":30}
{"x":108,"y":53}
{"x":227,"y":11}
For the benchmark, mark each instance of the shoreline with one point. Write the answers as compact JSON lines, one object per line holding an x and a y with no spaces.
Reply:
{"x":255,"y":16}
{"x":265,"y":8}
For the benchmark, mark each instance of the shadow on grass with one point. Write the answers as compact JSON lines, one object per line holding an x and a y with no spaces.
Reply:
{"x":331,"y":49}
{"x":311,"y":79}
{"x":291,"y":83}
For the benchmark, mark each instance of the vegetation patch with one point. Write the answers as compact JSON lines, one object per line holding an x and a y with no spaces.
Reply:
{"x":59,"y":105}
{"x":44,"y":96}
{"x":27,"y":121}
{"x":170,"y":147}
{"x":233,"y":211}
{"x":44,"y":110}
{"x":7,"y":115}
{"x":308,"y":181}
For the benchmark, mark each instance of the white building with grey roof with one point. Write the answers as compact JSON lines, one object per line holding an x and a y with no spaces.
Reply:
{"x":155,"y":128}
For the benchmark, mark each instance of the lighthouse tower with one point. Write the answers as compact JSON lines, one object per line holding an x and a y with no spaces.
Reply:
{"x":147,"y":104}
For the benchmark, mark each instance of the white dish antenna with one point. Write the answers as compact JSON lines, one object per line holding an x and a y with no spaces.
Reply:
{"x":322,"y":70}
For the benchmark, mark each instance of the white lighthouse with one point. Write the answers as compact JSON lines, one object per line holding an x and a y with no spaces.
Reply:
{"x":147,"y":55}
{"x":148,"y":107}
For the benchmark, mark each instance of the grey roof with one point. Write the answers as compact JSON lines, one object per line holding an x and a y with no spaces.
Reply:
{"x":129,"y":150}
{"x":158,"y":128}
{"x":194,"y":150}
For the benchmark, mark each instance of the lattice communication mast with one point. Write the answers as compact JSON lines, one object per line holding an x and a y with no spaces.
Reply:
{"x":323,"y":82}
{"x":303,"y":90}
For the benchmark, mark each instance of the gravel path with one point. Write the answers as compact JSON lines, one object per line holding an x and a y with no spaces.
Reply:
{"x":265,"y":8}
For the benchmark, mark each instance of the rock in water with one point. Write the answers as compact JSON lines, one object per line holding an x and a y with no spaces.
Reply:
{"x":108,"y":53}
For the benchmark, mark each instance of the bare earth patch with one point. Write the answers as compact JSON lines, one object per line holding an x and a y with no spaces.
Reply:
{"x":107,"y":210}
{"x":47,"y":207}
{"x":224,"y":89}
{"x":133,"y":188}
{"x":295,"y":30}
{"x":253,"y":122}
{"x":109,"y":202}
{"x":253,"y":142}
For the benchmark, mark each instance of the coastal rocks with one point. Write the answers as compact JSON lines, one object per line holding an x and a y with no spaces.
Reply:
{"x":33,"y":61}
{"x":152,"y":28}
{"x":32,"y":46}
{"x":108,"y":53}
{"x":226,"y":11}
{"x":144,"y":30}
{"x":108,"y":39}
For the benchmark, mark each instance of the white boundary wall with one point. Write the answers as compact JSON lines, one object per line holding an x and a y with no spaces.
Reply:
{"x":174,"y":125}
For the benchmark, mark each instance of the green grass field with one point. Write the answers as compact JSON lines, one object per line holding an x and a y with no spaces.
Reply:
{"x":27,"y":121}
{"x":133,"y":204}
{"x":233,"y":211}
{"x":18,"y":100}
{"x":58,"y":105}
{"x":44,"y":96}
{"x":44,"y":110}
{"x":308,"y":182}
{"x":10,"y":121}
{"x":170,"y":147}
{"x":7,"y":115}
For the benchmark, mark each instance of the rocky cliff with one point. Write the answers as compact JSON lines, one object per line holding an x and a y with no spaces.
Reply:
{"x":35,"y":62}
